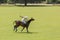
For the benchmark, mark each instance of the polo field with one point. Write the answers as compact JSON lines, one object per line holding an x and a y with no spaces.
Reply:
{"x":46,"y":25}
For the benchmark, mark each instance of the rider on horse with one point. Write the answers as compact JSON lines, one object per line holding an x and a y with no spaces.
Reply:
{"x":24,"y":19}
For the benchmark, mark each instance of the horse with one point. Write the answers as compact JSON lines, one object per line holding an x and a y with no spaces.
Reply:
{"x":19,"y":23}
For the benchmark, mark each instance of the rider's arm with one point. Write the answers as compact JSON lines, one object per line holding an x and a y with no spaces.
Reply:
{"x":21,"y":16}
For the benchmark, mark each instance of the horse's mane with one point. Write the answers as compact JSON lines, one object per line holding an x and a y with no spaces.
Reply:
{"x":30,"y":20}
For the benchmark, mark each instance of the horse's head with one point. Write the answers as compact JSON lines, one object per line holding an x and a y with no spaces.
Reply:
{"x":32,"y":19}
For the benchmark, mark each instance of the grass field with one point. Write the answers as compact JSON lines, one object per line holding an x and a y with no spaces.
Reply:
{"x":45,"y":27}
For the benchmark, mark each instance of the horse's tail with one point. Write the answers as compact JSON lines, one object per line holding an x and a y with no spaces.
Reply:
{"x":14,"y":22}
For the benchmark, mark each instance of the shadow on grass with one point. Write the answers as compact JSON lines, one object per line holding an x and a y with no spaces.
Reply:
{"x":32,"y":6}
{"x":27,"y":32}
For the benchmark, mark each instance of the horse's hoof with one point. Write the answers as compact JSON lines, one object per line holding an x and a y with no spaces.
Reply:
{"x":27,"y":32}
{"x":15,"y":31}
{"x":21,"y":31}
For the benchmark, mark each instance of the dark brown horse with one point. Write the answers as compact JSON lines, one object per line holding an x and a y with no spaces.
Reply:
{"x":19,"y":23}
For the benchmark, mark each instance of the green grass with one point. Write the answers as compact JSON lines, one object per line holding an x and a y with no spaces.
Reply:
{"x":45,"y":27}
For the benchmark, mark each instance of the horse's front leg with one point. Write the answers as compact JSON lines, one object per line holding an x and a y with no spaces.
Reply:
{"x":27,"y":29}
{"x":22,"y":29}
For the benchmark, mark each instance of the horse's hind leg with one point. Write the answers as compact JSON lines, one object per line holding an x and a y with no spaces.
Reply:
{"x":15,"y":28}
{"x":22,"y":29}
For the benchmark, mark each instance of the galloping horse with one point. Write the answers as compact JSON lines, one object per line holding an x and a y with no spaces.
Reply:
{"x":19,"y":23}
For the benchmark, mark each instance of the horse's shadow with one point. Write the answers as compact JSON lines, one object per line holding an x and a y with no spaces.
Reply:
{"x":27,"y":32}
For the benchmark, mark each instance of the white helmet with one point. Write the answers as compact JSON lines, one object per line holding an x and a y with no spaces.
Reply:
{"x":25,"y":16}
